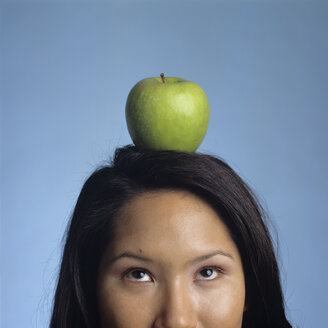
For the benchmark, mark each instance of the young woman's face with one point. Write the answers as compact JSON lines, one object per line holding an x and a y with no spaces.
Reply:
{"x":172,"y":264}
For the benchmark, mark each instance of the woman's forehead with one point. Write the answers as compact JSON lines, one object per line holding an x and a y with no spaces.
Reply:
{"x":170,"y":223}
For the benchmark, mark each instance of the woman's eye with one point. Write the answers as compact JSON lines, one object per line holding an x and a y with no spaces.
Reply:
{"x":138,"y":275}
{"x":209,"y":273}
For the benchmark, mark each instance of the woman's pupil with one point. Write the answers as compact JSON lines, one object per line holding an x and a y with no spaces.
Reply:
{"x":138,"y":274}
{"x":208,"y":272}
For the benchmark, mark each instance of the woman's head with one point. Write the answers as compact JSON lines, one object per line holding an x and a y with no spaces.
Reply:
{"x":107,"y":212}
{"x":172,"y":263}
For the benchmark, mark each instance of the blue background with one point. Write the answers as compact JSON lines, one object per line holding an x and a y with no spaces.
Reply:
{"x":66,"y":70}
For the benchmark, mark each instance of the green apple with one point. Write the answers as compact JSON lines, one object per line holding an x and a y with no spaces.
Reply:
{"x":167,"y":113}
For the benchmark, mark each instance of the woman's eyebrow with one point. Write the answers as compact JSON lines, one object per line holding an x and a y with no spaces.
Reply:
{"x":145,"y":259}
{"x":207,"y":256}
{"x":130,"y":255}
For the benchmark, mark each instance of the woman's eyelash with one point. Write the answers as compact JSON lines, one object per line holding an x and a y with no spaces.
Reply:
{"x":220,"y":270}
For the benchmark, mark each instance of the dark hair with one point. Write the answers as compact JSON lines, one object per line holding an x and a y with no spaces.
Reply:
{"x":135,"y":171}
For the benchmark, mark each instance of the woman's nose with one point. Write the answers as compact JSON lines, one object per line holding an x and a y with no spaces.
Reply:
{"x":178,"y":308}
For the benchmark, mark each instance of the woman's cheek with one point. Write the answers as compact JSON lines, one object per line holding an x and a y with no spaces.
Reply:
{"x":222,"y":306}
{"x":123,"y":306}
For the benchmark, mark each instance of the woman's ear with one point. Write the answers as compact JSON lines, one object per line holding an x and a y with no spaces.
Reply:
{"x":245,"y":307}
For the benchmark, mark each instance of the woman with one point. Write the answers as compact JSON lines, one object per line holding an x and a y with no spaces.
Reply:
{"x":167,"y":239}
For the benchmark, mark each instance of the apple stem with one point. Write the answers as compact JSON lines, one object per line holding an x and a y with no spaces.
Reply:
{"x":163,"y":78}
